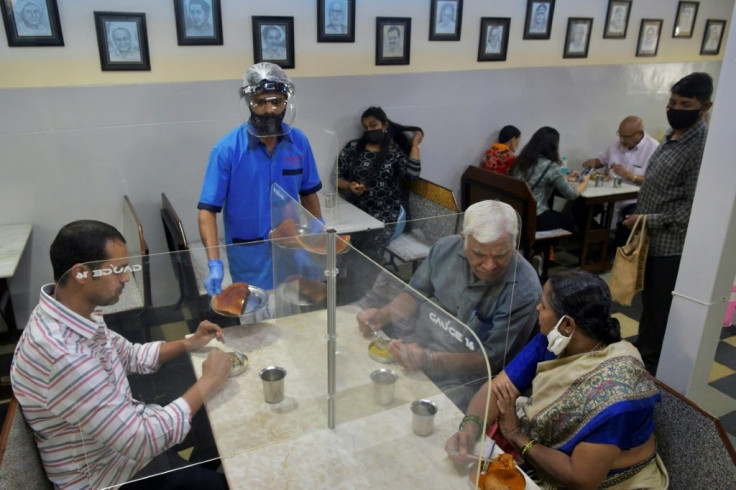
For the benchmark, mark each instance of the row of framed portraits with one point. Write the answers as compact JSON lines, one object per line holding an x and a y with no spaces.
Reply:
{"x":123,"y":42}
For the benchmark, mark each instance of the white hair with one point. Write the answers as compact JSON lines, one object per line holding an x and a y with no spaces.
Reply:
{"x":488,"y":221}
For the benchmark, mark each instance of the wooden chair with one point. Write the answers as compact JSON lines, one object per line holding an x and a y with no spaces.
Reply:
{"x":432,"y":214}
{"x":478,"y":184}
{"x":692,"y":443}
{"x":189,"y":259}
{"x":20,"y":461}
{"x":181,"y":259}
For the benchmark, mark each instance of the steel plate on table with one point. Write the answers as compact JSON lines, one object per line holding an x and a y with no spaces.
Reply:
{"x":378,"y":351}
{"x":257,"y":300}
{"x":239,"y":363}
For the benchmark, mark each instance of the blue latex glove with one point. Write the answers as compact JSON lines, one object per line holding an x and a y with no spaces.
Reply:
{"x":316,"y":225}
{"x":213,"y":283}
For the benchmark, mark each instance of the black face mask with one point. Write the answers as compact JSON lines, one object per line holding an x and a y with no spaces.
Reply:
{"x":267,"y":124}
{"x":373,"y":136}
{"x":681,"y":118}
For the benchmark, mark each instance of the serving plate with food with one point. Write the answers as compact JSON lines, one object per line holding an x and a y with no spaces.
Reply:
{"x":239,"y":299}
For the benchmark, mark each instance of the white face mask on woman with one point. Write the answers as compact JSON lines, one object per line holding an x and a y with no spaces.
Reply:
{"x":556,"y":342}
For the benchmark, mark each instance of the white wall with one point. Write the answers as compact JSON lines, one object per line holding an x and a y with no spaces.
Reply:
{"x":73,"y":152}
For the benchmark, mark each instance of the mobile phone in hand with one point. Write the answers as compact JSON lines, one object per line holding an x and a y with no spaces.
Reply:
{"x":585,"y":172}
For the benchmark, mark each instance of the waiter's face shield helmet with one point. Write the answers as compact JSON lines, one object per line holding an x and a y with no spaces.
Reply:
{"x":268,"y":107}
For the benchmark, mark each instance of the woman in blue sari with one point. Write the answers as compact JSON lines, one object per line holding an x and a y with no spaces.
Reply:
{"x":589,"y":421}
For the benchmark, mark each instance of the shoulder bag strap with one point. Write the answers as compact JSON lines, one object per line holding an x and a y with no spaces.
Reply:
{"x":542,"y":176}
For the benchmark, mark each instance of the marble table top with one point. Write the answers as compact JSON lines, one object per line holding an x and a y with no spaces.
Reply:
{"x":13,"y":239}
{"x":288,"y":444}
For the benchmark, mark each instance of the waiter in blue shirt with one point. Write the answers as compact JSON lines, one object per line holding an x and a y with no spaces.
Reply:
{"x":243,"y":166}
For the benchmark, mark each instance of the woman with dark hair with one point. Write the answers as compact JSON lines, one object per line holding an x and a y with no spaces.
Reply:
{"x":589,"y":421}
{"x":539,"y":165}
{"x":500,"y":156}
{"x":369,"y":169}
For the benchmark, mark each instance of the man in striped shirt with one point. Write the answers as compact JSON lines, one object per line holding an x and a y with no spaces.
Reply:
{"x":69,"y":371}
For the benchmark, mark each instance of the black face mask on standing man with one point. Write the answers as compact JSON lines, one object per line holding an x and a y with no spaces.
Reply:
{"x":682,"y":118}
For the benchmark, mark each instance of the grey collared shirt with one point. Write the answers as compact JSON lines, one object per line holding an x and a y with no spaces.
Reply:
{"x":502,"y":314}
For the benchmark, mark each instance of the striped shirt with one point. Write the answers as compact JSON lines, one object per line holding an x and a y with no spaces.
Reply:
{"x":69,"y":376}
{"x":666,"y":196}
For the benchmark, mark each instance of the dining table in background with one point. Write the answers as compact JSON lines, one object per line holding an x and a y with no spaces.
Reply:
{"x":13,"y":240}
{"x":289,"y":445}
{"x":592,"y":233}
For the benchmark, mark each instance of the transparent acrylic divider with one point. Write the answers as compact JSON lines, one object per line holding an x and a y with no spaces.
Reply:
{"x":369,"y":438}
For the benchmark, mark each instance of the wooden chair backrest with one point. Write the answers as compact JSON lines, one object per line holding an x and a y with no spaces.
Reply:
{"x":178,"y":244}
{"x":477,"y":184}
{"x":133,"y":233}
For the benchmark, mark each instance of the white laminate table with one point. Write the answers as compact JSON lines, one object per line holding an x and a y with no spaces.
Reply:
{"x":13,"y":239}
{"x":606,"y":195}
{"x":348,"y":218}
{"x":288,"y":444}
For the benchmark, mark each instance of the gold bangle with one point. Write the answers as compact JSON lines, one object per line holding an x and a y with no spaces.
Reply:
{"x":473,"y":418}
{"x":524,"y":450}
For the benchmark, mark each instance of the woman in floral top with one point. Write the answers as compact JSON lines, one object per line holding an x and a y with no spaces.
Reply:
{"x":369,"y":169}
{"x":500,"y":157}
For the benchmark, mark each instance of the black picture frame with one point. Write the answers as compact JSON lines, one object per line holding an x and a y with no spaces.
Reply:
{"x":490,"y":46}
{"x":536,"y":26}
{"x":329,"y":14}
{"x":198,"y":22}
{"x":713,"y":28}
{"x":265,"y":45}
{"x":111,"y":39}
{"x":687,"y":12}
{"x":647,"y":43}
{"x":575,"y":45}
{"x":30,"y":23}
{"x":617,"y":19}
{"x":396,"y":31}
{"x":445,"y":20}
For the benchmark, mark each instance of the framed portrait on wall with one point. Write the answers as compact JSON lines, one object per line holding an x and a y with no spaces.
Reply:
{"x":713,"y":36}
{"x":493,"y":42}
{"x":685,"y":19}
{"x":122,"y":41}
{"x":336,"y":21}
{"x":198,"y":22}
{"x":538,"y":24}
{"x":393,"y":40}
{"x":445,"y":20}
{"x":273,"y":40}
{"x":32,"y":23}
{"x":649,"y":33}
{"x":617,"y":19}
{"x":577,"y":39}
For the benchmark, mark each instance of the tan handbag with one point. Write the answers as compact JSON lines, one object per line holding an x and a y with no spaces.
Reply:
{"x":627,"y":275}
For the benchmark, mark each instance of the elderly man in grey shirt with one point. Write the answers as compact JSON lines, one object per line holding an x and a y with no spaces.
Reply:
{"x":479,"y":279}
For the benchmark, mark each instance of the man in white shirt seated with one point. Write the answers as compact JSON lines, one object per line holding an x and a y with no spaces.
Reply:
{"x":628,"y":158}
{"x":69,"y":374}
